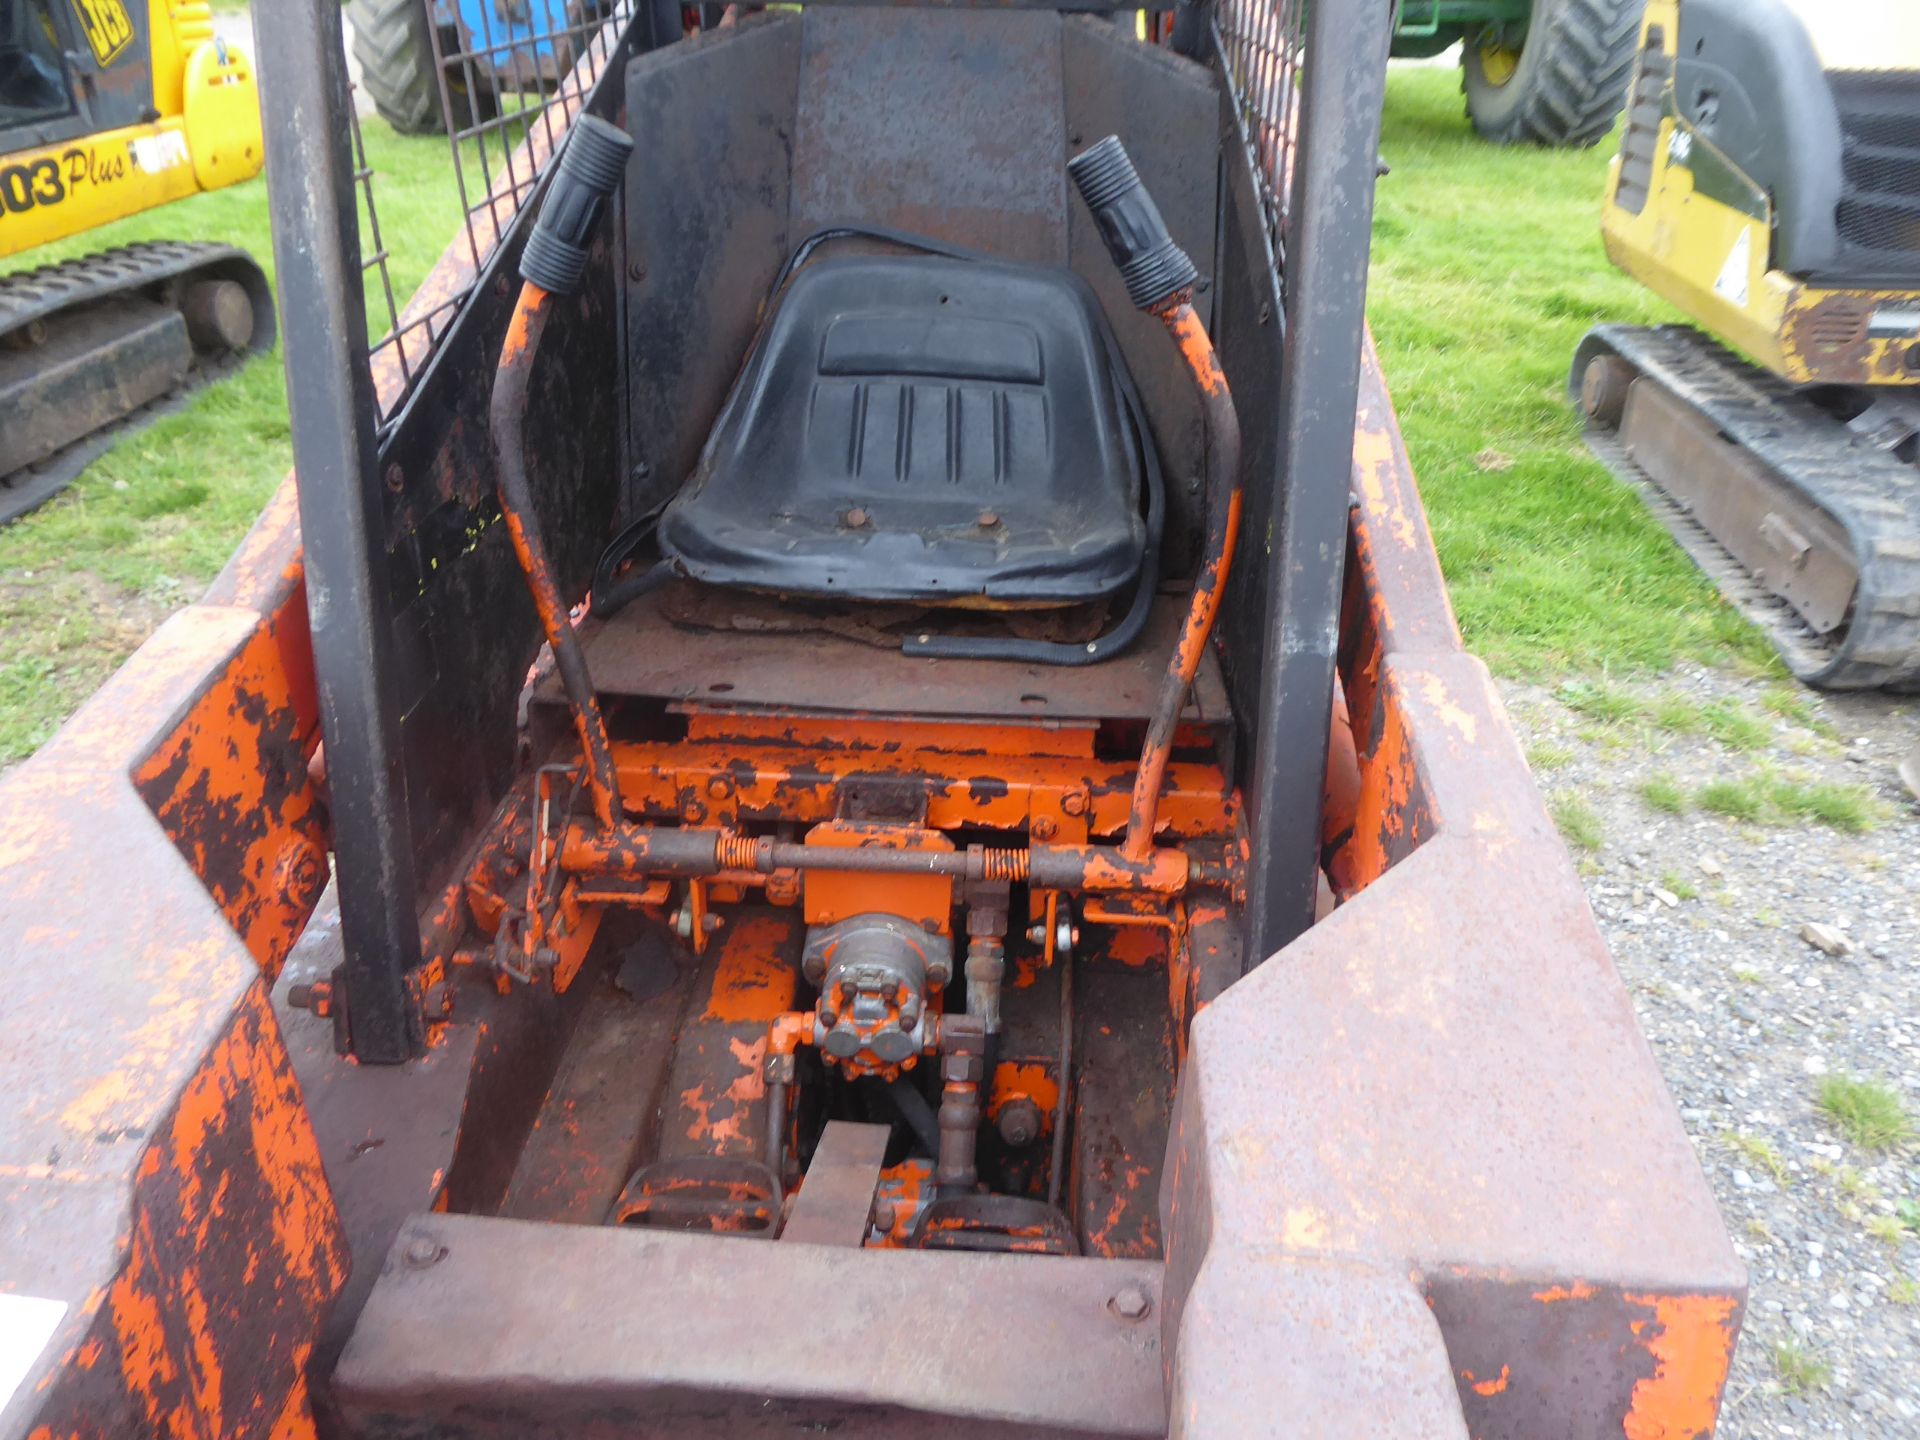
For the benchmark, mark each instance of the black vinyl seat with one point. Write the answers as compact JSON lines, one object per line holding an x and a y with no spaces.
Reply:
{"x":919,"y":428}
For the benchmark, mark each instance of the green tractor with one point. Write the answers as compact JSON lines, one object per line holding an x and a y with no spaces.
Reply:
{"x":1536,"y":72}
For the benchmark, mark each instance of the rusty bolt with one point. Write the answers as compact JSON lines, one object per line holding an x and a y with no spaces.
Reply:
{"x":989,"y":519}
{"x":301,"y":873}
{"x":315,"y":998}
{"x":1044,"y":828}
{"x":396,"y":479}
{"x":719,"y":786}
{"x":1020,"y":1123}
{"x":883,"y":1214}
{"x":423,"y":1251}
{"x":1074,"y":802}
{"x":636,"y":271}
{"x":1130,"y":1302}
{"x":856,"y":518}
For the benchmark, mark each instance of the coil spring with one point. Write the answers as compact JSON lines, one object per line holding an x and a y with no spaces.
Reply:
{"x":1009,"y":865}
{"x":736,"y":852}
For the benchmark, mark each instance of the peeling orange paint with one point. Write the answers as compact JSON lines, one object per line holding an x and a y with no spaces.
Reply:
{"x":1579,"y":1290}
{"x":753,"y":982}
{"x":1691,"y":1342}
{"x":230,"y":785}
{"x":1494,"y":1386}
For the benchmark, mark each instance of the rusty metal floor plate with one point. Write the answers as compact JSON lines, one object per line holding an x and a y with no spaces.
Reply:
{"x":603,"y":1102}
{"x":641,"y":653}
{"x":483,"y":1327}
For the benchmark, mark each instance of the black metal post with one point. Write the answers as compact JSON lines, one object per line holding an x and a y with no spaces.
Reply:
{"x":1327,"y":245}
{"x":1193,"y":29}
{"x":316,"y":245}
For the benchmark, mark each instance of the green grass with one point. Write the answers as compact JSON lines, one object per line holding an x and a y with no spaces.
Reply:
{"x":1867,"y":1112}
{"x":84,"y":579}
{"x":1678,"y":885}
{"x":1676,"y":715}
{"x":1735,"y":799}
{"x":1761,"y":1152}
{"x":1548,"y":756}
{"x":1887,"y":1229}
{"x":1734,"y":726}
{"x":1487,"y":270}
{"x":1765,"y":798}
{"x":1800,"y":1370}
{"x":1725,"y":721}
{"x":1903,"y":1290}
{"x":1664,"y":793}
{"x":1790,"y":704}
{"x":1601,"y":702}
{"x":1851,"y":808}
{"x":1577,"y":822}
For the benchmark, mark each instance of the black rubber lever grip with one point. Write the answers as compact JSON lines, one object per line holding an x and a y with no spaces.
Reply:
{"x":1156,"y":270}
{"x":590,"y":169}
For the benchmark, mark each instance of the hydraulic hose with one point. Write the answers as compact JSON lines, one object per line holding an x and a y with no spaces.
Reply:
{"x":1160,"y":279}
{"x":551,"y":265}
{"x":1223,"y":530}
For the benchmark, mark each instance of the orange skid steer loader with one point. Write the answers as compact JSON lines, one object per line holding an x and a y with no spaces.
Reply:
{"x":843,"y":798}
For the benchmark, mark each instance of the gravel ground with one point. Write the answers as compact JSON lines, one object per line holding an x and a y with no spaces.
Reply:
{"x":1752,"y":1021}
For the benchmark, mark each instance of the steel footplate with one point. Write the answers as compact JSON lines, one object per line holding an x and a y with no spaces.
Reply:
{"x":1869,"y":492}
{"x":37,"y":302}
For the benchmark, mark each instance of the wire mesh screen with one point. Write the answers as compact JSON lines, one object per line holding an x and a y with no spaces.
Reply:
{"x":1262,"y":44}
{"x":510,"y":76}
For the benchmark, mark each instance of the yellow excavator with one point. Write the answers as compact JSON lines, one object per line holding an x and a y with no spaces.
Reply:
{"x":108,"y":108}
{"x":1768,"y":184}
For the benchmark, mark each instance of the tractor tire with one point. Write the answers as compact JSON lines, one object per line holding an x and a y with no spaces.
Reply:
{"x":1566,"y":84}
{"x":391,"y":40}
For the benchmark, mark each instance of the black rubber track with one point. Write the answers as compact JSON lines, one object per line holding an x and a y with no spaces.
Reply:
{"x":42,"y":295}
{"x":1572,"y":78}
{"x":1874,"y":496}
